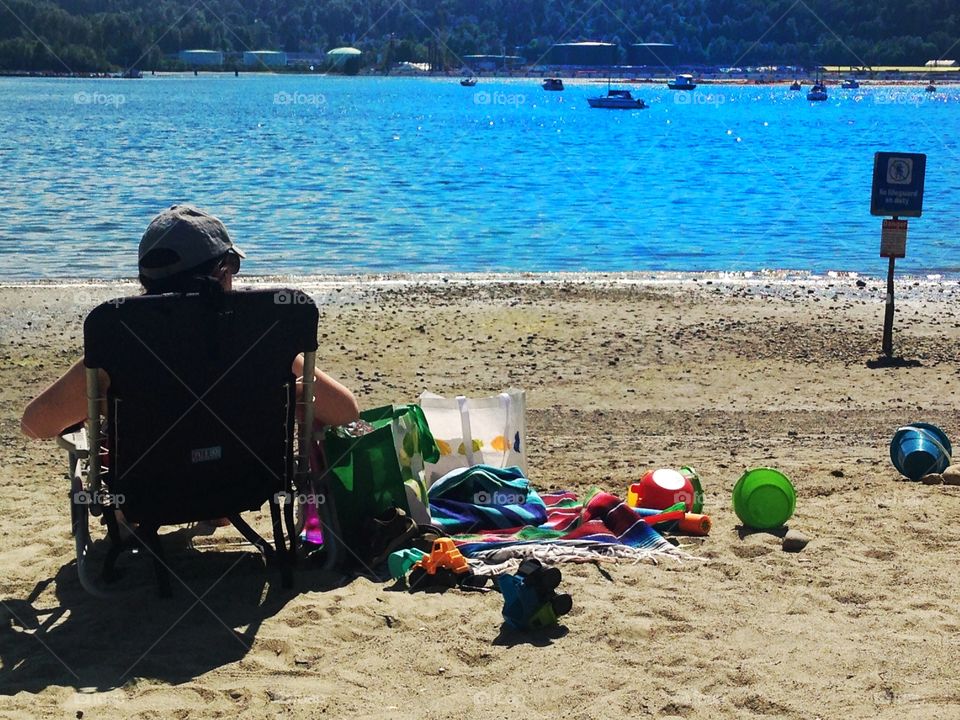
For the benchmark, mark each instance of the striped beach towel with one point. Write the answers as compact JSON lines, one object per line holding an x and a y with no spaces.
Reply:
{"x":600,"y":526}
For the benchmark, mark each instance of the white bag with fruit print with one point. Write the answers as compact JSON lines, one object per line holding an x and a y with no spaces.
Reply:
{"x":476,"y":431}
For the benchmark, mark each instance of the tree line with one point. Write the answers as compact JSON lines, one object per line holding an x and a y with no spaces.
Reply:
{"x":103,"y":35}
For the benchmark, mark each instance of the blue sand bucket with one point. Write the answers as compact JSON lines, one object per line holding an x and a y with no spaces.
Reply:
{"x":920,"y":449}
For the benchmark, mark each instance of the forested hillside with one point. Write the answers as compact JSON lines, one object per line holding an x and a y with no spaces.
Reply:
{"x":83,"y":35}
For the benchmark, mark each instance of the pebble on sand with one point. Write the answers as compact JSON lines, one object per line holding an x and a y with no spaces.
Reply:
{"x":932,"y":479}
{"x":951,"y":476}
{"x":794,"y":541}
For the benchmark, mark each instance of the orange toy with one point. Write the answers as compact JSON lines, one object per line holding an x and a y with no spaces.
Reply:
{"x":443,"y":555}
{"x":694,"y":524}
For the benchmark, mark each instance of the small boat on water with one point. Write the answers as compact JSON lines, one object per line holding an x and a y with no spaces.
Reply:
{"x":796,"y":85}
{"x":931,"y":88}
{"x":818,"y":93}
{"x":555,"y":84}
{"x":617,"y":100}
{"x":683,"y":82}
{"x":468,"y":81}
{"x":850,"y":84}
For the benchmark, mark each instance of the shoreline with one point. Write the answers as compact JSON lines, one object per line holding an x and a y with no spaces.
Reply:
{"x":949,"y":77}
{"x":773,"y":281}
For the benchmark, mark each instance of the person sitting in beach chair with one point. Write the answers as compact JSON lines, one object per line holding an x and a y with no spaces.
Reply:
{"x":200,"y":388}
{"x":183,"y":250}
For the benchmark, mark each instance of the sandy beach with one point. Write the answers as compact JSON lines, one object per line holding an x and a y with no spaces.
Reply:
{"x":623,"y":373}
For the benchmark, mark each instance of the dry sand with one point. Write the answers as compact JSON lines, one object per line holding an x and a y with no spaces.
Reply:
{"x":622,"y":374}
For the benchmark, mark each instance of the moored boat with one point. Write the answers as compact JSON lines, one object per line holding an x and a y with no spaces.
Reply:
{"x":818,"y":93}
{"x":617,"y":100}
{"x":555,"y":84}
{"x":683,"y":82}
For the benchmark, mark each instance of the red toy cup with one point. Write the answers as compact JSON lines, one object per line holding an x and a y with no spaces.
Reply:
{"x":659,"y":489}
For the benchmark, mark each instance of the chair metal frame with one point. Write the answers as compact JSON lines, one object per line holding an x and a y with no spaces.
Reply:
{"x":85,"y":472}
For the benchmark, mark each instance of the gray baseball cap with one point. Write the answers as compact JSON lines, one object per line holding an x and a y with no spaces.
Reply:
{"x":182,"y":238}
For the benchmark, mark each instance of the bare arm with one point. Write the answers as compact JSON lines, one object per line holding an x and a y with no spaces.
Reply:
{"x":64,"y":403}
{"x":58,"y":407}
{"x":333,"y":403}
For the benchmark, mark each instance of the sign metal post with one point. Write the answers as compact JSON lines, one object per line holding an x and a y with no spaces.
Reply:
{"x":898,"y":191}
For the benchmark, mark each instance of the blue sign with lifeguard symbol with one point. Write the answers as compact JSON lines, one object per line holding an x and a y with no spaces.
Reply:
{"x":898,"y":184}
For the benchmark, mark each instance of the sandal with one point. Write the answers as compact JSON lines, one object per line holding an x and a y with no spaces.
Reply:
{"x":426,"y":536}
{"x":390,"y":531}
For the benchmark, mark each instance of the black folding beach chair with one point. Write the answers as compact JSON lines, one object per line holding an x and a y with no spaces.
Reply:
{"x":199,"y":422}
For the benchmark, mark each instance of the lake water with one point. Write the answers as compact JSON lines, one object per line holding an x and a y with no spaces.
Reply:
{"x":329,"y":175}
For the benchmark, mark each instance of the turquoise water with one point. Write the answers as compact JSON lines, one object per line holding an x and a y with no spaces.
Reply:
{"x":327,"y":175}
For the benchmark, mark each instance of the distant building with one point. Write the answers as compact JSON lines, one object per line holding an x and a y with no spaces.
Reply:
{"x":585,"y":54}
{"x":940,"y":63}
{"x":410,"y":68}
{"x":894,"y":71}
{"x":651,"y":54}
{"x":492,"y":62}
{"x":345,"y":60}
{"x":200,"y":57}
{"x":261,"y":58}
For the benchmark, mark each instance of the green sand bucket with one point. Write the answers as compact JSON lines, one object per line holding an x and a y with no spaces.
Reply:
{"x":764,"y":498}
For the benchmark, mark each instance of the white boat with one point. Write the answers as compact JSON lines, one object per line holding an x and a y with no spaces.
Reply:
{"x":683,"y":82}
{"x":617,"y":100}
{"x":129,"y":74}
{"x":468,"y":81}
{"x":850,"y":84}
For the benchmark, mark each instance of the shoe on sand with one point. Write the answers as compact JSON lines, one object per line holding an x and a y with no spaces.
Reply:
{"x":391,"y":530}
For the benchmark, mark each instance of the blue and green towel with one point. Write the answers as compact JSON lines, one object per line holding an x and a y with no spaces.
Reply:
{"x":483,"y":497}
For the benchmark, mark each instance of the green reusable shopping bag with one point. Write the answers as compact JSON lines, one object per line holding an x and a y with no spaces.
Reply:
{"x":377,"y":464}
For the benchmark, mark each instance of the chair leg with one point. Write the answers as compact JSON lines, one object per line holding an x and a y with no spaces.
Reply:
{"x":253,"y":537}
{"x":283,"y":559}
{"x":109,"y":574}
{"x":80,"y":515}
{"x":150,"y":540}
{"x":292,"y":532}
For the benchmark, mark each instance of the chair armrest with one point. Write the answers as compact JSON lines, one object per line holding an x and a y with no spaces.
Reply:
{"x":74,"y":440}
